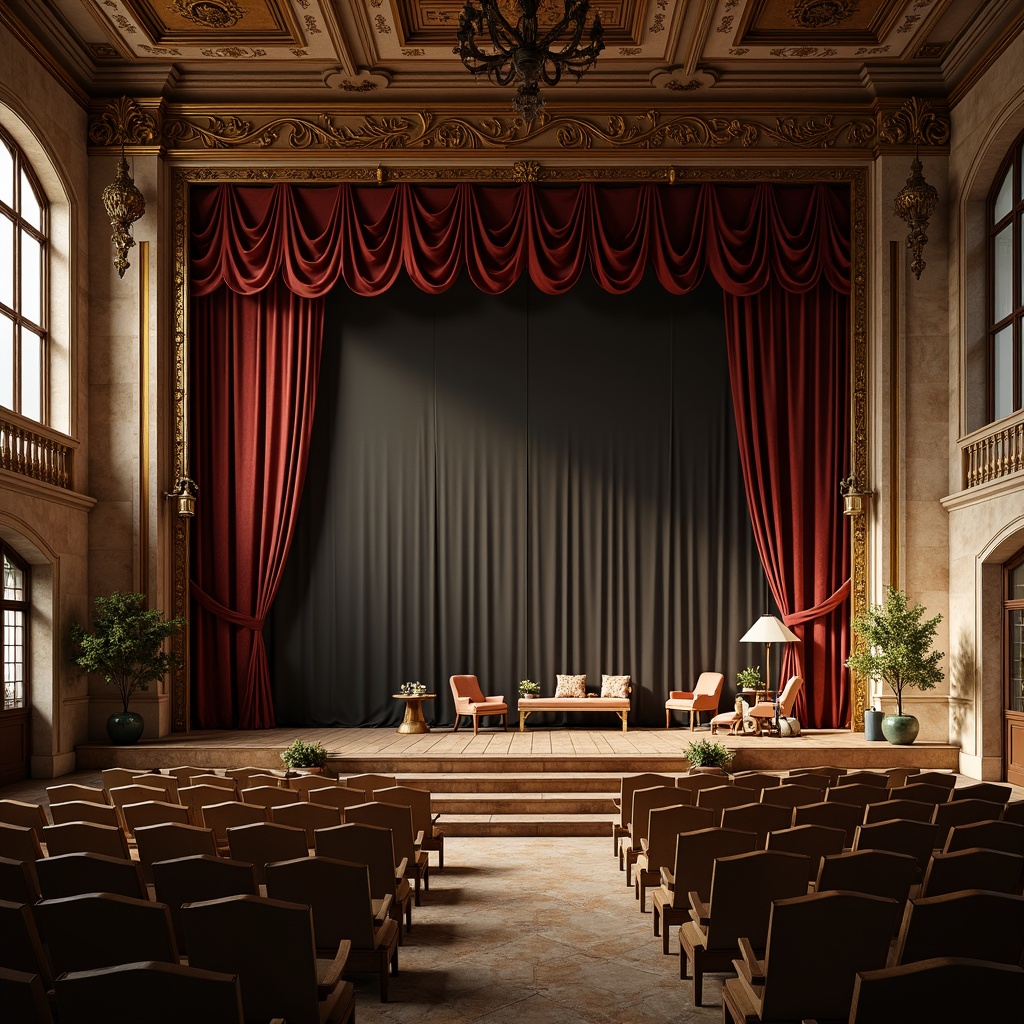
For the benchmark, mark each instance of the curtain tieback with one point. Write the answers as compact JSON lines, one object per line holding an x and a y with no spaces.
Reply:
{"x":223,"y":612}
{"x":826,"y":606}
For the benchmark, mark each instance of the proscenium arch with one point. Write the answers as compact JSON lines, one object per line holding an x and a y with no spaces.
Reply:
{"x":854,"y":177}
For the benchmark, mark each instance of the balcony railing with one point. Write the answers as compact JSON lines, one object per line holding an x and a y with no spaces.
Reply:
{"x":35,"y":451}
{"x":994,"y":452}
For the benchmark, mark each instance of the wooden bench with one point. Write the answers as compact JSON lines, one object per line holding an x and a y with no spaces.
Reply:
{"x":527,"y":705}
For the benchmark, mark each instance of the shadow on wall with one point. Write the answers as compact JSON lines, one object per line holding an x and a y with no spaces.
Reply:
{"x":961,"y":687}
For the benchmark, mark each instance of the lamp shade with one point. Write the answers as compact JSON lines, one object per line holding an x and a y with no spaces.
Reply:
{"x":769,"y":630}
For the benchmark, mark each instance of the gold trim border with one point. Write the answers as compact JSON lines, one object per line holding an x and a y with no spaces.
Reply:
{"x":184,"y":178}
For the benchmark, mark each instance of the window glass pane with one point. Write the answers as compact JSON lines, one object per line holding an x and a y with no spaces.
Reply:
{"x":1002,"y":369}
{"x":14,"y":659}
{"x":6,"y":173}
{"x":31,"y":209}
{"x":1004,"y":198}
{"x":31,"y":375}
{"x":31,"y":278}
{"x":1016,"y":587}
{"x":7,"y":262}
{"x":1002,"y":274}
{"x":6,"y":362}
{"x":14,"y":581}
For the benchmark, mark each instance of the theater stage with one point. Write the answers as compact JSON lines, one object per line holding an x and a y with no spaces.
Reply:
{"x":537,"y":749}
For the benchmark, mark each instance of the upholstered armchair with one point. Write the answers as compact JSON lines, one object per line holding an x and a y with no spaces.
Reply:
{"x":763,"y":712}
{"x":470,"y":700}
{"x":703,"y":697}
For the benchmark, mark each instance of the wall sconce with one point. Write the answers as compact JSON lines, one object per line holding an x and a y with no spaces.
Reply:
{"x":124,"y":204}
{"x":185,"y":491}
{"x":854,"y":499}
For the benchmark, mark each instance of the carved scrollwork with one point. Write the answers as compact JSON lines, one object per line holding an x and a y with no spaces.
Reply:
{"x":425,"y":130}
{"x":123,"y":122}
{"x":915,"y":122}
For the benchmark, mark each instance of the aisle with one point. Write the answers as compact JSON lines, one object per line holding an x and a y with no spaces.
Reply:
{"x":534,"y":931}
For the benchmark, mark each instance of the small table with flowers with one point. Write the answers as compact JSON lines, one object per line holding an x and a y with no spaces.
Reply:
{"x":414,"y":722}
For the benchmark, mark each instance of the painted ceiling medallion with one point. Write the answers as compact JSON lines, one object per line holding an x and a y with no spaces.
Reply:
{"x":821,"y":13}
{"x":210,"y":13}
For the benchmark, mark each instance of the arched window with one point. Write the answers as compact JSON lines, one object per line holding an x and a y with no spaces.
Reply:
{"x":16,"y":610}
{"x":23,"y":307}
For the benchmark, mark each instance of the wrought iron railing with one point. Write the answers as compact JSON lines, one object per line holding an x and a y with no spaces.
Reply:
{"x":35,"y":451}
{"x":994,"y":452}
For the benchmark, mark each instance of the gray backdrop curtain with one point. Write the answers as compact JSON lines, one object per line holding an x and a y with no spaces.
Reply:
{"x":516,"y":485}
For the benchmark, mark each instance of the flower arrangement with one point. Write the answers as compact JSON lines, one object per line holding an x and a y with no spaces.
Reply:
{"x":416,"y":689}
{"x":528,"y":688}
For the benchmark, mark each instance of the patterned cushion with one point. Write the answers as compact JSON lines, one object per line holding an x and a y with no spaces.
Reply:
{"x":571,"y":686}
{"x":614,"y":686}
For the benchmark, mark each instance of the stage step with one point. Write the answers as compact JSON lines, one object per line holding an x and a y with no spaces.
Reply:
{"x":522,"y":803}
{"x":521,"y":782}
{"x":521,"y":825}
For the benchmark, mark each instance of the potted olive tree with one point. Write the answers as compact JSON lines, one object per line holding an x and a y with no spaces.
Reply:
{"x":895,"y":648}
{"x":126,"y":647}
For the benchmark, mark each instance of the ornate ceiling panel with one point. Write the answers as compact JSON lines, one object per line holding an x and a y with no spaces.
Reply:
{"x":714,"y":51}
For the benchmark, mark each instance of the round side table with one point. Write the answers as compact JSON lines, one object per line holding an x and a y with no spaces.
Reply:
{"x":414,"y":722}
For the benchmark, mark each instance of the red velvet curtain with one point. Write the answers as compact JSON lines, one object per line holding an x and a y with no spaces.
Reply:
{"x":263,"y":258}
{"x":255,"y":368}
{"x":788,"y":366}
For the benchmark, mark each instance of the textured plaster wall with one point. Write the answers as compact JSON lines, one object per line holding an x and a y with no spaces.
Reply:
{"x":48,"y":525}
{"x":986,"y":524}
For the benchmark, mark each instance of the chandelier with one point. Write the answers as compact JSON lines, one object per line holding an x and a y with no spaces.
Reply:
{"x":522,"y":51}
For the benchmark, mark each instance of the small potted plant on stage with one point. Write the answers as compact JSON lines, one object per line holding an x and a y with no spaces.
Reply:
{"x":708,"y":757}
{"x":528,"y":688}
{"x":125,"y":646}
{"x":896,"y":648}
{"x":749,"y":679}
{"x":305,"y":758}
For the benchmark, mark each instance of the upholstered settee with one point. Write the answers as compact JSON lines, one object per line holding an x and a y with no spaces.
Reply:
{"x":571,"y":695}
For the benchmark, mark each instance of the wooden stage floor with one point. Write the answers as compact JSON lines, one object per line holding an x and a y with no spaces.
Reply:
{"x":538,"y":749}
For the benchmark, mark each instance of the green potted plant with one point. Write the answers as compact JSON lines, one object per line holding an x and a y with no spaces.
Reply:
{"x":749,"y":678}
{"x":126,"y":646}
{"x":896,"y":647}
{"x":528,"y":688}
{"x":310,"y":758}
{"x":708,"y":756}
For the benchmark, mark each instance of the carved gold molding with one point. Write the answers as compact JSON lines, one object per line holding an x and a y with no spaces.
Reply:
{"x":344,"y":129}
{"x":521,"y":171}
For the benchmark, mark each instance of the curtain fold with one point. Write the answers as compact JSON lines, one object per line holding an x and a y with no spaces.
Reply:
{"x":789,"y":372}
{"x":255,"y":376}
{"x":780,"y":253}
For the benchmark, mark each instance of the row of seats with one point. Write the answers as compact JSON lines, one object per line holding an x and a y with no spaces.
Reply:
{"x":739,"y":860}
{"x":118,"y":882}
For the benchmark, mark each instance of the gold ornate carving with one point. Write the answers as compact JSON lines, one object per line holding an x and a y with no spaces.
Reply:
{"x":858,"y":422}
{"x":822,"y":13}
{"x":210,"y":13}
{"x":916,"y":121}
{"x":425,"y":130}
{"x":123,"y":122}
{"x":526,"y":170}
{"x":855,"y":176}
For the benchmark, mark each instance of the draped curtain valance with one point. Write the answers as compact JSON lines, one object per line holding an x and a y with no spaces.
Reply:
{"x":263,"y":257}
{"x":313,"y":237}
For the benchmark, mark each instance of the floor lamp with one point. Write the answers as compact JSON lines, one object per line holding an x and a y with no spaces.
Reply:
{"x":770,"y":630}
